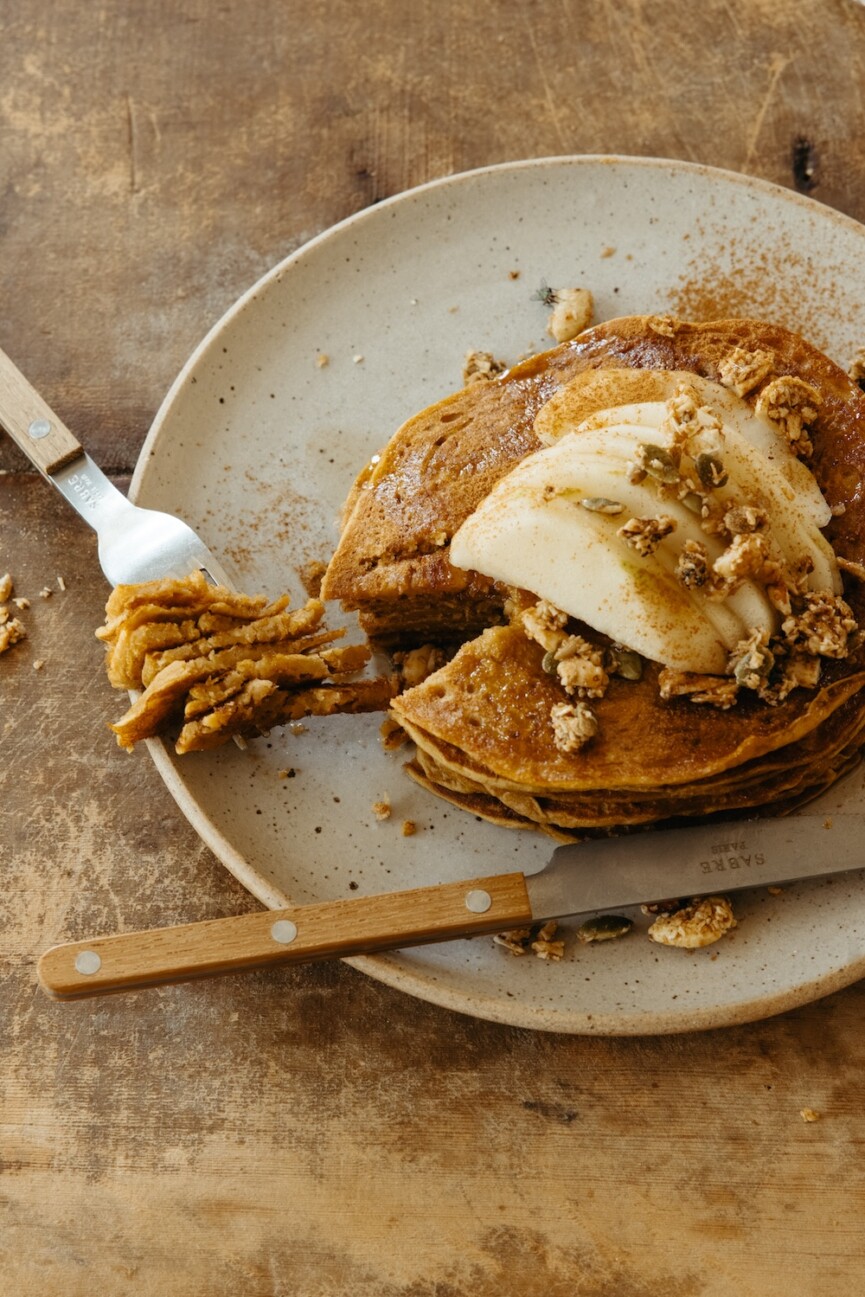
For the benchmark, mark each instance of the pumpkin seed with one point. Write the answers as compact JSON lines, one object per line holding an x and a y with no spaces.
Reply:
{"x":659,"y":463}
{"x":600,"y":504}
{"x":605,"y":927}
{"x":710,"y":470}
{"x":625,"y":662}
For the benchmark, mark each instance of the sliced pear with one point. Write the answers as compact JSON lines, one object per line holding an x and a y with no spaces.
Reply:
{"x":580,"y":469}
{"x":574,"y":559}
{"x":600,"y":397}
{"x":754,"y":478}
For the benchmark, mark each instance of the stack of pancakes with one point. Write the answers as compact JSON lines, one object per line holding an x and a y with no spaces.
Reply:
{"x":481,"y":723}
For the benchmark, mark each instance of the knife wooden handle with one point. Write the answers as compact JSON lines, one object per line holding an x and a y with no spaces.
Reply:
{"x":32,"y":424}
{"x":330,"y":930}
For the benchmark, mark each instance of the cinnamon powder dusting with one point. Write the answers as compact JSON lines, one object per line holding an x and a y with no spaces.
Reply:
{"x":769,"y":284}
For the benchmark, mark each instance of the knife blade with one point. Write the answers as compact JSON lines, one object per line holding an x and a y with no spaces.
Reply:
{"x":579,"y":879}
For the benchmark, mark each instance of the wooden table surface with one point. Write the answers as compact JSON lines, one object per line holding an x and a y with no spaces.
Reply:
{"x":313,"y":1132}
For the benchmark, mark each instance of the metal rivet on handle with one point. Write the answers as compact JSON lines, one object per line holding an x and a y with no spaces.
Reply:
{"x":87,"y":961}
{"x":284,"y":931}
{"x":39,"y":428}
{"x":478,"y":901}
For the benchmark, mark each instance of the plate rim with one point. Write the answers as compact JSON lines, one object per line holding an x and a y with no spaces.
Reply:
{"x":381,"y":967}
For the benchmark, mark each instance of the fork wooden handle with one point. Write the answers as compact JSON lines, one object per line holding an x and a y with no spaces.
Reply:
{"x":329,"y":930}
{"x":32,"y":424}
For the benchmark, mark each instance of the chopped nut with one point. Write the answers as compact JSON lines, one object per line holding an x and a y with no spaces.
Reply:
{"x":580,"y":668}
{"x":751,"y":660}
{"x":665,"y":325}
{"x":519,"y":941}
{"x":743,"y":518}
{"x":409,"y":828}
{"x":692,"y":566}
{"x":822,"y":625}
{"x":38,"y":664}
{"x":12,"y":632}
{"x":574,"y":724}
{"x":799,"y":671}
{"x":717,"y":691}
{"x":544,"y":623}
{"x":322,"y":360}
{"x":554,"y":951}
{"x":583,"y":677}
{"x":516,"y":941}
{"x":6,"y":587}
{"x":481,"y":367}
{"x":745,"y":558}
{"x":809,"y":1114}
{"x":791,"y":403}
{"x":604,"y":927}
{"x":645,"y":534}
{"x":692,"y":427}
{"x":382,"y":809}
{"x":699,"y":924}
{"x":573,"y":309}
{"x":21,"y":604}
{"x":743,"y":370}
{"x":61,"y":584}
{"x":45,"y":593}
{"x":545,"y":947}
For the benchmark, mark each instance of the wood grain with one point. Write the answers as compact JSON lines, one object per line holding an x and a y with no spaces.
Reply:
{"x":335,"y":929}
{"x":308,"y":1131}
{"x":31,"y":423}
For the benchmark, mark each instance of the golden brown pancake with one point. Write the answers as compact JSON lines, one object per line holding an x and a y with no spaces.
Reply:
{"x":482,"y":722}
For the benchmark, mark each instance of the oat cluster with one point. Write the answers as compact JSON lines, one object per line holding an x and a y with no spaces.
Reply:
{"x":12,"y":629}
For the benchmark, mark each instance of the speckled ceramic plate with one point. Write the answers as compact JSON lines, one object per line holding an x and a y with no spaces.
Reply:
{"x":258,"y":442}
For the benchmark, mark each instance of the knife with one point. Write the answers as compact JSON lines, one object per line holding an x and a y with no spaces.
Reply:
{"x":579,"y":879}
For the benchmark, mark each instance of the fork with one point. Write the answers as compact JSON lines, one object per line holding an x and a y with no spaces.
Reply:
{"x":134,"y":544}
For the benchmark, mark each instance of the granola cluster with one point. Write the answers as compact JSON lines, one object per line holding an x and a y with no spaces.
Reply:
{"x":213,"y":664}
{"x":481,"y":367}
{"x":699,"y":924}
{"x":12,"y":629}
{"x":742,"y":370}
{"x":579,"y":666}
{"x":540,"y":940}
{"x":573,"y":725}
{"x":791,"y":404}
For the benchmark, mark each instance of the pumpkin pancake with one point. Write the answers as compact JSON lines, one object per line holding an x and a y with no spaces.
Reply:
{"x":483,"y":723}
{"x":391,"y":563}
